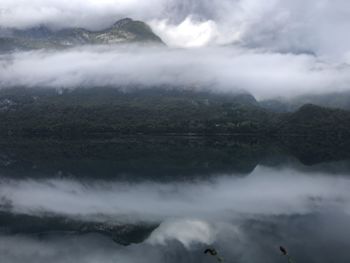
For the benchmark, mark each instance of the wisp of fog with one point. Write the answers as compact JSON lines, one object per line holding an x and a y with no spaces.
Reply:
{"x":220,"y":69}
{"x":229,"y":212}
{"x":271,"y":48}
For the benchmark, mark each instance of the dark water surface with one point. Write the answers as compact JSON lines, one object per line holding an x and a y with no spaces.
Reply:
{"x":167,"y":199}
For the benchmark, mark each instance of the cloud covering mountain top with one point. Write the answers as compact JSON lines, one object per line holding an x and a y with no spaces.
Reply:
{"x":264,"y":75}
{"x":269,"y":48}
{"x":296,"y":26}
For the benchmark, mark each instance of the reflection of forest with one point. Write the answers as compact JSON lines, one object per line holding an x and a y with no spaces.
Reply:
{"x":163,"y":158}
{"x":123,"y":234}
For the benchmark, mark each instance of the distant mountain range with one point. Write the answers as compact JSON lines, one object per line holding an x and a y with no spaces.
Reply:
{"x":123,"y":31}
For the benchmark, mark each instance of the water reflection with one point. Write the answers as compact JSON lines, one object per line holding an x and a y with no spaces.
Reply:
{"x":165,"y":199}
{"x":165,"y":158}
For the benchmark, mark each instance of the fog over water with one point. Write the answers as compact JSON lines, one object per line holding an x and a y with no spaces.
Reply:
{"x":137,"y":200}
{"x":245,"y":218}
{"x":245,"y":215}
{"x":264,"y":192}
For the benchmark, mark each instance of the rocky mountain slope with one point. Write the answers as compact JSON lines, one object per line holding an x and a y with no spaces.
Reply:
{"x":123,"y":31}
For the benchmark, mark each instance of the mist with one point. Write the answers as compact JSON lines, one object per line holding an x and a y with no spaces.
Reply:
{"x":265,"y":192}
{"x":53,"y":209}
{"x":270,"y":49}
{"x":236,"y":242}
{"x":246,"y":218}
{"x":219,"y":69}
{"x":318,"y":26}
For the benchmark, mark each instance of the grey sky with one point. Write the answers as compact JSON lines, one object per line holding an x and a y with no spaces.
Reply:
{"x":269,"y":48}
{"x":318,"y":26}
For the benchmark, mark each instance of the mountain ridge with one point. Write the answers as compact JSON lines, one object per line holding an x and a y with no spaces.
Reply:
{"x":93,"y":111}
{"x":123,"y":31}
{"x":340,"y":100}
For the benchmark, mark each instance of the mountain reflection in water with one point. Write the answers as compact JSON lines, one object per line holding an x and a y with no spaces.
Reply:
{"x":166,"y":199}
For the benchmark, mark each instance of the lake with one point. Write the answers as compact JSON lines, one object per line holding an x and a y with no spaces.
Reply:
{"x":168,"y":198}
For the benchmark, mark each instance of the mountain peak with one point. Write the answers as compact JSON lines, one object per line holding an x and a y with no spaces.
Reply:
{"x":123,"y":22}
{"x":123,"y":31}
{"x":135,"y":30}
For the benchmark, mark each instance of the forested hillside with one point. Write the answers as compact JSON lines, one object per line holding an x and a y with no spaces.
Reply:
{"x":93,"y":111}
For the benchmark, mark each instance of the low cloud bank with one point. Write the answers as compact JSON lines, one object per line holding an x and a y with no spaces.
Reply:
{"x":264,"y":74}
{"x":270,"y":48}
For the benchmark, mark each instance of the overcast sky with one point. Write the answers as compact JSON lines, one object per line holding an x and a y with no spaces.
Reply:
{"x":270,"y":48}
{"x":319,"y":26}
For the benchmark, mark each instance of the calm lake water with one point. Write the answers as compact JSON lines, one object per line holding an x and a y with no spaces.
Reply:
{"x":167,"y":199}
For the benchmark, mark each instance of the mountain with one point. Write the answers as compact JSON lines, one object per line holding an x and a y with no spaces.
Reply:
{"x":123,"y":31}
{"x":157,"y":110}
{"x":312,"y":120}
{"x":336,"y":100}
{"x":339,"y":100}
{"x":111,"y":110}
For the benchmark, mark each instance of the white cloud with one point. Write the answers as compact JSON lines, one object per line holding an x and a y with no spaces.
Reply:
{"x":188,"y":33}
{"x":318,"y":26}
{"x":62,"y":13}
{"x":264,"y":74}
{"x":278,"y":29}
